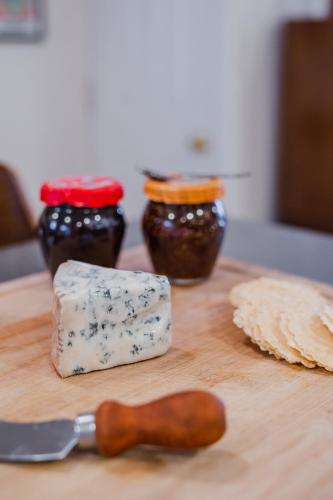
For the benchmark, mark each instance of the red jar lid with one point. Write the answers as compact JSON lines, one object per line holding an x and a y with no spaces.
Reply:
{"x":82,"y":191}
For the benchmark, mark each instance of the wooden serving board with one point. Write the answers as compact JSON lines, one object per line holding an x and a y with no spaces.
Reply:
{"x":279,"y":442}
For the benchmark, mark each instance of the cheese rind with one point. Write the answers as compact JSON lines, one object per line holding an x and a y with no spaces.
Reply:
{"x":106,"y":317}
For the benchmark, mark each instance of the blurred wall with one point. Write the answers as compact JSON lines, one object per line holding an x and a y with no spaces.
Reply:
{"x":157,"y":85}
{"x":250,"y":63}
{"x":43,"y":109}
{"x":121,"y":83}
{"x":165,"y":72}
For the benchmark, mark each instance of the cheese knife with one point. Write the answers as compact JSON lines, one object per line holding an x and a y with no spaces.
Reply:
{"x":182,"y":421}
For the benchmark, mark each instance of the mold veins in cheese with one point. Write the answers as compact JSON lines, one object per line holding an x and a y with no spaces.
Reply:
{"x":105,"y":317}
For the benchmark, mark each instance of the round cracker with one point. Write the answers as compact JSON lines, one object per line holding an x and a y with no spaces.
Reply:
{"x":262,"y":325}
{"x":264,"y":289}
{"x":326,"y":316}
{"x":312,"y":337}
{"x":260,"y":305}
{"x":243,"y":318}
{"x":287,"y":333}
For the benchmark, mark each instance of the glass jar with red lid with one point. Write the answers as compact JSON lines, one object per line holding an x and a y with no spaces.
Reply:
{"x":81,"y":221}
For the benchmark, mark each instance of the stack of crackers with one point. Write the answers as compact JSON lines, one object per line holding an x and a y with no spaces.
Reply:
{"x":289,"y":320}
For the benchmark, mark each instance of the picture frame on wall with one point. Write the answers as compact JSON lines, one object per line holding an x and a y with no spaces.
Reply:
{"x":22,"y":20}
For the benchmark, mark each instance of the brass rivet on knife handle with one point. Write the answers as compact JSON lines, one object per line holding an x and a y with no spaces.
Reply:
{"x":184,"y":421}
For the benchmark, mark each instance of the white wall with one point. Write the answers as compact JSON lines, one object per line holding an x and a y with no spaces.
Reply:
{"x":250,"y":88}
{"x":155,"y":87}
{"x":43,"y":111}
{"x":165,"y":71}
{"x":117,"y":83}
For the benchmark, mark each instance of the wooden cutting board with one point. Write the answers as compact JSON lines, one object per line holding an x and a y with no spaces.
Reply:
{"x":279,"y":443}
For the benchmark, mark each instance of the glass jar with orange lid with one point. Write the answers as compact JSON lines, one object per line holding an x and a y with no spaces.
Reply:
{"x":183,"y":225}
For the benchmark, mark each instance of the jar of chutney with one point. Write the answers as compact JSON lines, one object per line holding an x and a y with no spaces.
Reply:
{"x":183,"y":225}
{"x":81,"y":221}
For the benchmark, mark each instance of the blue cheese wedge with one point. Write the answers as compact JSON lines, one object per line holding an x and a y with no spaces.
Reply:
{"x":105,"y":317}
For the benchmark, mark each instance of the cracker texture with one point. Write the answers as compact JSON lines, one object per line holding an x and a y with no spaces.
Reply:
{"x":286,"y":319}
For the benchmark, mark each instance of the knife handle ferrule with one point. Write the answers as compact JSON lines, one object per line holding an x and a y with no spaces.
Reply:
{"x":85,"y":429}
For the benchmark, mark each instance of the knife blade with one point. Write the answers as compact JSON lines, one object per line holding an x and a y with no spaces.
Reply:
{"x":185,"y":420}
{"x":159,"y":176}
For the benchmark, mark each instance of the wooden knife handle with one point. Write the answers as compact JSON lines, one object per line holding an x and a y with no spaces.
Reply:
{"x":183,"y":421}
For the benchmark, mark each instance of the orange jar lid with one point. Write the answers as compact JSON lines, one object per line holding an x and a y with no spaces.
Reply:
{"x":184,"y":190}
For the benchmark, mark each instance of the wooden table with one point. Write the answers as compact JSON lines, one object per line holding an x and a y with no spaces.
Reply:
{"x":279,"y":442}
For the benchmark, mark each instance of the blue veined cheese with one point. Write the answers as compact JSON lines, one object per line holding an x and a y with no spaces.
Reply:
{"x":105,"y":317}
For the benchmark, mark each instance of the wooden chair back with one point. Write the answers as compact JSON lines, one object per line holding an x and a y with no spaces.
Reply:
{"x":16,"y":222}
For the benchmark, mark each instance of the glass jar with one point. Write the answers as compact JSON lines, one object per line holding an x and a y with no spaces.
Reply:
{"x":183,"y":225}
{"x":82,"y":221}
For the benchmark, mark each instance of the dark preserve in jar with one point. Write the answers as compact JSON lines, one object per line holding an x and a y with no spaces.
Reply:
{"x":183,"y":225}
{"x":82,"y":221}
